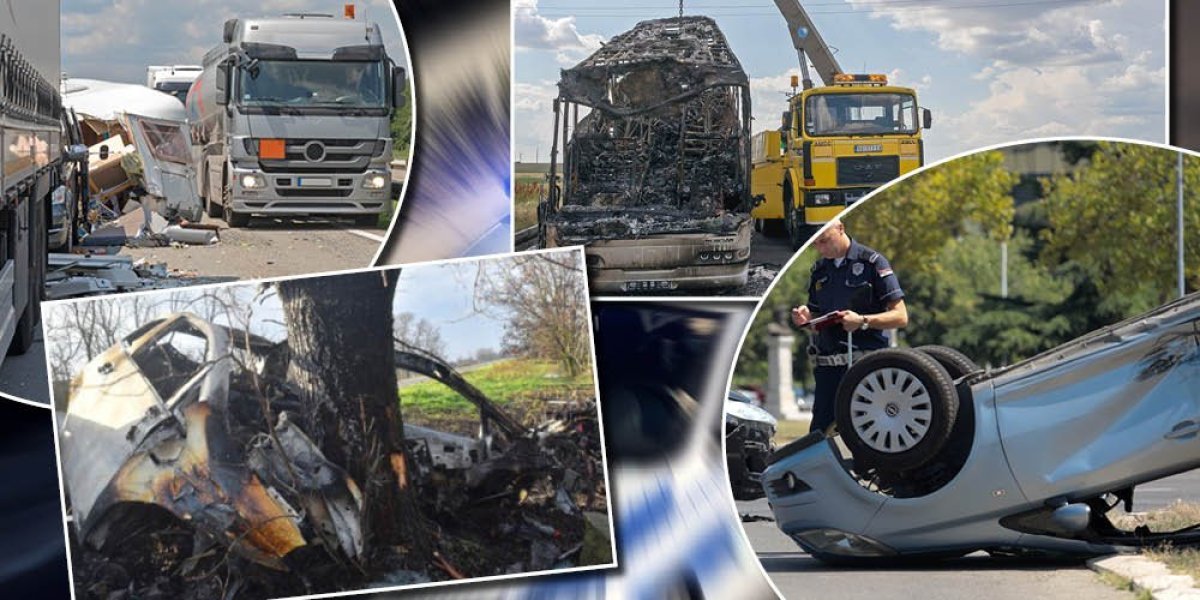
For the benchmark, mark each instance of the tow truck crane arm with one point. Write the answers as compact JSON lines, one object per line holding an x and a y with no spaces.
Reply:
{"x":808,"y":43}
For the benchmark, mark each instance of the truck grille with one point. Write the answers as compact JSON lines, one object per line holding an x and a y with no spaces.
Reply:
{"x":324,"y":156}
{"x":874,"y":170}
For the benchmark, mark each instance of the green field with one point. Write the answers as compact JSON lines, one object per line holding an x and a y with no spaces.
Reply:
{"x":527,"y":190}
{"x":520,"y":386}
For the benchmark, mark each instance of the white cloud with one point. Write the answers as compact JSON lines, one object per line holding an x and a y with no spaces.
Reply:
{"x":117,"y":40}
{"x":535,"y":32}
{"x":1066,"y":68}
{"x":1056,"y":101}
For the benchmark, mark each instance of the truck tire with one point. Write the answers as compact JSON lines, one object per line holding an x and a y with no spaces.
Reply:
{"x":213,"y":209}
{"x":232,"y":218}
{"x":895,"y":409}
{"x":26,"y":330}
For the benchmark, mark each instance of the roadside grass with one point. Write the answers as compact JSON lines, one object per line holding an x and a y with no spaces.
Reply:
{"x":520,"y":386}
{"x":1124,"y":584}
{"x":1180,"y":560}
{"x":385,"y":217}
{"x":527,"y":190}
{"x":787,"y":431}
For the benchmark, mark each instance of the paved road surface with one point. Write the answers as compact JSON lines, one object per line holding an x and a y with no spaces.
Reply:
{"x":979,"y":577}
{"x":24,"y":376}
{"x":800,"y":576}
{"x":273,"y":247}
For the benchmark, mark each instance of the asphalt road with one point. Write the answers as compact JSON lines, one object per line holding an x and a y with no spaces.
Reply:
{"x":24,"y":376}
{"x":271,"y":247}
{"x":798,"y":575}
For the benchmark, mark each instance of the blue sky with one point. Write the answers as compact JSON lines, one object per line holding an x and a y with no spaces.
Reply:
{"x":990,"y":70}
{"x":442,"y":295}
{"x":115,"y":40}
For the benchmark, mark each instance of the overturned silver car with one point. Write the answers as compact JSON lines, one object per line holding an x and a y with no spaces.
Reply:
{"x":175,"y":417}
{"x":947,"y":458}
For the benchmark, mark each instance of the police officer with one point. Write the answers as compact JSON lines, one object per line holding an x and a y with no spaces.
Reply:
{"x":858,"y":284}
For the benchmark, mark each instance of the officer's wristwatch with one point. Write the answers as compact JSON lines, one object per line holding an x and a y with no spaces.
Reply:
{"x":864,"y":325}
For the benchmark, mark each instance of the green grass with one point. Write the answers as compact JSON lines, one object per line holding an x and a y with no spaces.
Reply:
{"x":528,"y":189}
{"x":1182,"y":561}
{"x":787,"y":431}
{"x":1124,"y":584}
{"x":520,"y":386}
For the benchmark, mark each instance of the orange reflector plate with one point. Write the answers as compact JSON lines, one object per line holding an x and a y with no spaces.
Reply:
{"x":272,"y":149}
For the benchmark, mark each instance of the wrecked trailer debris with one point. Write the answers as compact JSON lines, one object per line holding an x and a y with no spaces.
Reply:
{"x":655,"y":178}
{"x":185,"y":434}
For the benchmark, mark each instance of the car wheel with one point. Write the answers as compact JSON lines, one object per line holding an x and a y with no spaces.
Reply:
{"x":956,"y":363}
{"x":895,"y":409}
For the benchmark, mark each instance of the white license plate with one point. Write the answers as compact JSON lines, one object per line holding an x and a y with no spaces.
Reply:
{"x":314,"y":182}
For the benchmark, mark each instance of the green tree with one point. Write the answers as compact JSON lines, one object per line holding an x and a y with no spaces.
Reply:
{"x":1114,"y":220}
{"x":912,"y":220}
{"x":402,"y":126}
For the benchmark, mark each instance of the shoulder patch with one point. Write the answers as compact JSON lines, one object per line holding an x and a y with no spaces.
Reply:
{"x":874,"y":257}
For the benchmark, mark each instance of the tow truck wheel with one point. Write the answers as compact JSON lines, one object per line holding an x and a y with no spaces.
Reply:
{"x":895,"y":409}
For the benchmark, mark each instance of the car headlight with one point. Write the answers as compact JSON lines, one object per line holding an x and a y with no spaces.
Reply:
{"x":840,"y":543}
{"x":253,"y":181}
{"x":375,"y":181}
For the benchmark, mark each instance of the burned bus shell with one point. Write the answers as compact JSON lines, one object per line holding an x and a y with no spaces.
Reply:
{"x":655,"y":176}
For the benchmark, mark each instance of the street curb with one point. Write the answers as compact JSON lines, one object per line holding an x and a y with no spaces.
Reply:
{"x":1149,"y":575}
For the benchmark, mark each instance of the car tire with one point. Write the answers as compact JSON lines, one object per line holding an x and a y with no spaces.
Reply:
{"x":956,"y":363}
{"x":908,"y":392}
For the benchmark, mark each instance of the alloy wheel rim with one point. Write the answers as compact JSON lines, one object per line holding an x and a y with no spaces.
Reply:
{"x":890,"y":410}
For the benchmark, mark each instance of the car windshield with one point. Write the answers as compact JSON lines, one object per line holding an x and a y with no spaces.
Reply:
{"x":313,"y":83}
{"x":860,"y":114}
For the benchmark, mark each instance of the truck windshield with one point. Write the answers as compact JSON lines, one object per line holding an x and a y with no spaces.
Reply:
{"x":860,"y":114}
{"x":313,"y":83}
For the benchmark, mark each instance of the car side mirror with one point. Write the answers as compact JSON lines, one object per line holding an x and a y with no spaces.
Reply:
{"x":926,"y":118}
{"x":222,"y":84}
{"x":399,"y":86}
{"x":77,"y":153}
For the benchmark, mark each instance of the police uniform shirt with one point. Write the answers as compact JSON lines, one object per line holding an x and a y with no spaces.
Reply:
{"x":864,"y":283}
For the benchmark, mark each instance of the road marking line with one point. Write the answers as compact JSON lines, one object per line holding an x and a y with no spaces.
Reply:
{"x":369,"y":236}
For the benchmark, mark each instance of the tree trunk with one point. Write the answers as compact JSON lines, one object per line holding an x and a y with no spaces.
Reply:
{"x":342,"y":365}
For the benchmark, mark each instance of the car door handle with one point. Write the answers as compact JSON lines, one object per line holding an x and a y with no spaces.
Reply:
{"x":1183,"y":429}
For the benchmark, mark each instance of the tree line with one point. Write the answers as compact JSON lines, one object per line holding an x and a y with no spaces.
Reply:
{"x":1096,"y":244}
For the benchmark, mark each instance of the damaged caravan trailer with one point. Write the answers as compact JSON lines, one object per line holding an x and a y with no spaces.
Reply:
{"x":156,"y":125}
{"x":656,"y":174}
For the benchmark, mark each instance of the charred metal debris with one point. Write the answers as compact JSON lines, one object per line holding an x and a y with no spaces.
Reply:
{"x":184,"y":457}
{"x":665,"y":147}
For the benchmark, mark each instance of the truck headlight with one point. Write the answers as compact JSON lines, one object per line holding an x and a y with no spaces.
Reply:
{"x":823,"y":198}
{"x":253,"y":181}
{"x":375,"y":181}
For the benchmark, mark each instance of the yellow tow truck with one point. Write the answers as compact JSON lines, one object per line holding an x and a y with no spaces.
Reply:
{"x":837,"y":142}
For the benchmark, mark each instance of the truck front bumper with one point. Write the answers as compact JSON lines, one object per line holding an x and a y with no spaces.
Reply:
{"x":303,"y":193}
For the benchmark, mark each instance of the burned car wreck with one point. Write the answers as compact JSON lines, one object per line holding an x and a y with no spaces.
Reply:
{"x":656,"y":174}
{"x":749,"y":433}
{"x":192,"y":418}
{"x":946,"y":458}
